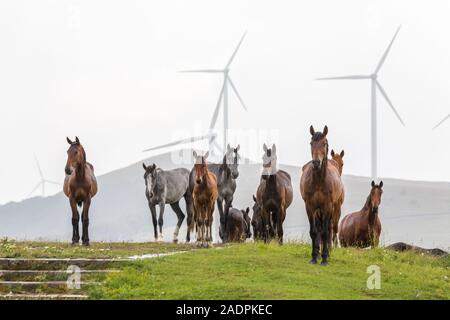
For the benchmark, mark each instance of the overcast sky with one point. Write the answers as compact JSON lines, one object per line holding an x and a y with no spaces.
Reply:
{"x":107,"y":72}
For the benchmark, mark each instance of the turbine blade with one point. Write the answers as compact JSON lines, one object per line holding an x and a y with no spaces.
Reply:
{"x":182,"y":141}
{"x":237,"y":94}
{"x":442,"y":121}
{"x":383,"y":58}
{"x":39,"y":167}
{"x":352,"y":77}
{"x":34,"y":189}
{"x":202,"y":71}
{"x":216,"y":110}
{"x":389,"y":102}
{"x":235,"y":51}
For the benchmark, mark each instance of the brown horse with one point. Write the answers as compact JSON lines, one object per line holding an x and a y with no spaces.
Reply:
{"x":363,"y":228}
{"x":321,"y":189}
{"x":80,"y":186}
{"x":204,"y":197}
{"x":338,"y":162}
{"x":274,"y":195}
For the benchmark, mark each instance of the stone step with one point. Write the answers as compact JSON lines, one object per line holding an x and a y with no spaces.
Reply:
{"x":58,"y":264}
{"x":40,"y":287}
{"x":51,"y":275}
{"x":57,"y":296}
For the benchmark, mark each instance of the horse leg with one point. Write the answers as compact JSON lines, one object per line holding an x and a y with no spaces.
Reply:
{"x":222,"y":218}
{"x":153,"y":211}
{"x":176,"y":207}
{"x":85,"y":220}
{"x":189,"y":210}
{"x":266,"y":224}
{"x":326,"y":239}
{"x":280,"y":226}
{"x":314,"y":233}
{"x":161,"y":221}
{"x":75,"y":222}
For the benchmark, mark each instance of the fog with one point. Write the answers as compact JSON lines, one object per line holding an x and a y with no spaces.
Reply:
{"x":106,"y":71}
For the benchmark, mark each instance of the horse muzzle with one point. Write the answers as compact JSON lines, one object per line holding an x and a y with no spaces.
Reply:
{"x":316,"y":164}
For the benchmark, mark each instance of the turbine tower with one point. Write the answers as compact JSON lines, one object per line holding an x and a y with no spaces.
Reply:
{"x":375,"y":84}
{"x":442,"y":121}
{"x":223,"y":96}
{"x":42,"y":181}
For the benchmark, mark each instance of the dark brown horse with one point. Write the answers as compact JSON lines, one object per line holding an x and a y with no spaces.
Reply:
{"x":257,"y":223}
{"x":80,"y":186}
{"x":237,"y":227}
{"x":204,"y":197}
{"x":274,"y":195}
{"x":321,"y":189}
{"x":363,"y":228}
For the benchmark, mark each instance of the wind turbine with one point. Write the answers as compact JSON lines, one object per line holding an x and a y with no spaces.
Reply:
{"x":375,"y":84}
{"x":442,"y":121}
{"x":223,"y":96}
{"x":43,"y":181}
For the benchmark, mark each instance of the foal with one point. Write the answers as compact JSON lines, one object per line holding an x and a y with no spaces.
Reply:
{"x":363,"y":228}
{"x":80,"y":186}
{"x":204,"y":197}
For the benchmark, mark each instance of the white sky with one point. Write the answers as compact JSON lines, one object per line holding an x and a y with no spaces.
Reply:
{"x":106,"y":71}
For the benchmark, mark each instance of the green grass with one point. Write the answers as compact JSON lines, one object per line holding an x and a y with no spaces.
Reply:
{"x":25,"y":249}
{"x":259,"y":271}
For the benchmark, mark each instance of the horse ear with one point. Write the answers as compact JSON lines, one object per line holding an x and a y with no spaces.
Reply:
{"x":228,"y":147}
{"x":342,"y":153}
{"x":144,"y":166}
{"x":206,"y":155}
{"x":254,"y":198}
{"x":332,"y":152}
{"x":77,"y":140}
{"x":264,"y":147}
{"x":153,"y":167}
{"x":224,"y":161}
{"x":194,"y":154}
{"x":373,"y":183}
{"x":325,"y":131}
{"x":247,"y":210}
{"x":274,"y":149}
{"x":68,"y":140}
{"x":237,"y":148}
{"x":381,"y":184}
{"x":311,"y":130}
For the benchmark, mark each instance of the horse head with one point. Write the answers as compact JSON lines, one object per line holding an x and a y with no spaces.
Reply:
{"x":150,"y":177}
{"x":375,"y":194}
{"x":232,"y":157}
{"x":339,"y":159}
{"x":256,"y":217}
{"x":201,"y":168}
{"x":319,"y":147}
{"x":75,"y":155}
{"x":269,"y":161}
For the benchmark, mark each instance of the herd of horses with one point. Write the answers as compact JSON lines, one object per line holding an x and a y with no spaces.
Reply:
{"x":208,"y":185}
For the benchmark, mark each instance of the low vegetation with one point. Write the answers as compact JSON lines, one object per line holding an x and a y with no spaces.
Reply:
{"x":259,"y":271}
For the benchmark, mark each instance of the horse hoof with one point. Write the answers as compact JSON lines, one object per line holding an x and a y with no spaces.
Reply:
{"x":313,"y":261}
{"x":324,"y":263}
{"x":86,"y":243}
{"x":75,"y":243}
{"x":175,"y":240}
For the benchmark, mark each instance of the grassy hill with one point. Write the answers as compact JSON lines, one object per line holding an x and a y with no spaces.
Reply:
{"x":259,"y":271}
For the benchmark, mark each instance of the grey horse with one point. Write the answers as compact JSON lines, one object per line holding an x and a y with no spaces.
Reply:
{"x":166,"y":187}
{"x":226,"y":185}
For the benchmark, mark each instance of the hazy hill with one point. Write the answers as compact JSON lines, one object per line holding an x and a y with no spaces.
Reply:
{"x":414,"y":212}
